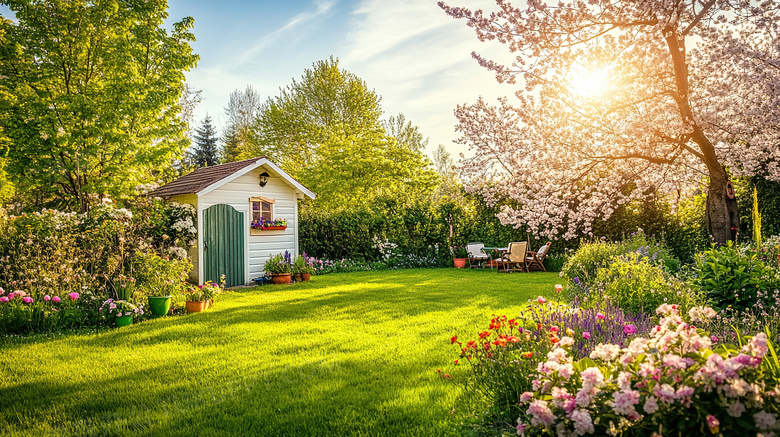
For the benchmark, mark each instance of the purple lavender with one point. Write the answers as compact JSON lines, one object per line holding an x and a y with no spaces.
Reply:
{"x":287,"y":257}
{"x":611,"y":329}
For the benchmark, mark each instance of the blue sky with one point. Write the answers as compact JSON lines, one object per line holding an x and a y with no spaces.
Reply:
{"x":409,"y":51}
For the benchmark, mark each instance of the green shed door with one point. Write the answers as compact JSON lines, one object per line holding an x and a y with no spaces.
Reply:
{"x":223,"y":245}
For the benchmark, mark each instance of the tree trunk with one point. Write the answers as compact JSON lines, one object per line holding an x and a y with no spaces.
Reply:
{"x":722,"y":214}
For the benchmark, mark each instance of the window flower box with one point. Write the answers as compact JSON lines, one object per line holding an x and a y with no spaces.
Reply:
{"x":258,"y":231}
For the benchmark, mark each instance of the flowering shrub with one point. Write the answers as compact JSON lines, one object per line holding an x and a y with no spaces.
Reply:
{"x":669,"y":383}
{"x":279,"y":264}
{"x":22,"y":312}
{"x":54,"y":254}
{"x":503,"y":358}
{"x":119,"y":308}
{"x":635,"y":284}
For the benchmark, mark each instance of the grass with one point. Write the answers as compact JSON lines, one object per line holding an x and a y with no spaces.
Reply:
{"x":345,"y":354}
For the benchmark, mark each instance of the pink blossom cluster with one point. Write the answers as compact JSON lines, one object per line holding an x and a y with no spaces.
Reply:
{"x":27,"y":299}
{"x":648,"y":384}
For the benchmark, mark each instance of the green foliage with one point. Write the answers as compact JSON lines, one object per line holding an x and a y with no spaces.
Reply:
{"x":278,"y":264}
{"x":205,"y":151}
{"x":757,"y":243}
{"x":733,"y":277}
{"x":637,"y":285}
{"x":330,"y":335}
{"x":93,"y":91}
{"x":95,"y":255}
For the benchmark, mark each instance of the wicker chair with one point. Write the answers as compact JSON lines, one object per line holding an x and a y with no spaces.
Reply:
{"x":514,"y":258}
{"x":477,"y":257}
{"x":535,"y":260}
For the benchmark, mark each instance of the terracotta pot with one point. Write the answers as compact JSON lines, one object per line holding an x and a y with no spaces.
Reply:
{"x":460,"y":262}
{"x":305,"y":276}
{"x":281,"y":278}
{"x":195,"y":306}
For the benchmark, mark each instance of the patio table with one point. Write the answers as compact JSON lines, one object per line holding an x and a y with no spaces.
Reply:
{"x":488,"y":249}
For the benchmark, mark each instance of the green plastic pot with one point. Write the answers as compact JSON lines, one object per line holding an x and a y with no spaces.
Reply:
{"x":124,"y":321}
{"x":159,"y":305}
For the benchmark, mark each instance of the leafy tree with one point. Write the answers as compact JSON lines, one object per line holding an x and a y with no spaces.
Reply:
{"x":405,"y":133}
{"x":206,"y":151}
{"x":93,"y":92}
{"x":326,"y":131}
{"x":242,"y":110}
{"x":625,"y":100}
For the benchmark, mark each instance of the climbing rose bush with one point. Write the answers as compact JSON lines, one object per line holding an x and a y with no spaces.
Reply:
{"x":668,"y":383}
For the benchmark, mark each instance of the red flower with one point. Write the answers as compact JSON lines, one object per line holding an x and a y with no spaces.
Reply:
{"x":527,"y":354}
{"x":484,"y":334}
{"x":454,"y":339}
{"x":486,"y":346}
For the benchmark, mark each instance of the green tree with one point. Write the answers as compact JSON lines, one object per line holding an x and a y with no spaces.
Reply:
{"x":405,"y":133}
{"x":93,"y":96}
{"x":242,"y":111}
{"x":205,"y":151}
{"x":326,"y":130}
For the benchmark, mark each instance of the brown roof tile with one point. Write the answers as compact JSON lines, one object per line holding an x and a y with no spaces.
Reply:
{"x":201,"y":178}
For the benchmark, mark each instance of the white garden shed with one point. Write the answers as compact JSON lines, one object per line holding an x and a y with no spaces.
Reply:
{"x":229,"y":198}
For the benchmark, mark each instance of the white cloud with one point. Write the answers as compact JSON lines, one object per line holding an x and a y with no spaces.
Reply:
{"x":419,"y":60}
{"x":322,"y":8}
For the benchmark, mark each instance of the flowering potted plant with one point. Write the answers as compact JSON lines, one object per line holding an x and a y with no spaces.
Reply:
{"x":302,"y":268}
{"x":210,"y":290}
{"x":459,"y":257}
{"x":280,"y":268}
{"x":122,"y":311}
{"x":124,"y":286}
{"x":269,"y":225}
{"x":196,"y":299}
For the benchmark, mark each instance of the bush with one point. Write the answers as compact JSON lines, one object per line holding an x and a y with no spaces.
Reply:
{"x":586,"y":261}
{"x":669,"y":383}
{"x":51,"y":254}
{"x":637,"y":285}
{"x":502,"y":359}
{"x":732,"y":277}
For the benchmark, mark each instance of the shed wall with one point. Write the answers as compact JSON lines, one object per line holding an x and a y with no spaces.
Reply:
{"x":259,"y":247}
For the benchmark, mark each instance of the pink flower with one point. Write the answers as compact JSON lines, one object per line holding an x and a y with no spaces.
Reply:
{"x":554,"y":329}
{"x":600,"y":316}
{"x":27,"y":299}
{"x":47,"y":298}
{"x":714,"y":339}
{"x":558,"y":288}
{"x":56,"y":298}
{"x":586,"y":335}
{"x":629,"y":329}
{"x":713,"y":423}
{"x":526,"y":396}
{"x":541,"y":300}
{"x":73,"y":296}
{"x":4,"y":299}
{"x":521,"y":428}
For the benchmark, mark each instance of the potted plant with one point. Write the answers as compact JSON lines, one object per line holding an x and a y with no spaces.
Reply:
{"x":459,"y":257}
{"x":210,"y":290}
{"x":124,"y":286}
{"x":161,"y":304}
{"x":196,"y":299}
{"x":121,"y":310}
{"x":302,"y":268}
{"x":269,"y":225}
{"x":280,"y":268}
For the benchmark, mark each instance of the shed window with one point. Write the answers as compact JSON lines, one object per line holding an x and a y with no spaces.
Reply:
{"x":262,"y":210}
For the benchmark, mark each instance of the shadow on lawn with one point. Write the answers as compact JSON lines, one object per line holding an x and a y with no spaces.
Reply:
{"x":236,"y":370}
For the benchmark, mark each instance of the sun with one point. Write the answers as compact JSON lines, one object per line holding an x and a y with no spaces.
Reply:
{"x":589,"y":83}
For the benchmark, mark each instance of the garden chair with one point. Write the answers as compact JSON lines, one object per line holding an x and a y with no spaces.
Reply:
{"x":477,"y":257}
{"x":535,"y":260}
{"x":514,"y":258}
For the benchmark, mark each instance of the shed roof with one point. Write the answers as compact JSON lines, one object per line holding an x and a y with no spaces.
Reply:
{"x":206,"y":179}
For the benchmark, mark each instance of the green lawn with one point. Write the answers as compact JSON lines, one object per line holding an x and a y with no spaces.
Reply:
{"x":345,"y":354}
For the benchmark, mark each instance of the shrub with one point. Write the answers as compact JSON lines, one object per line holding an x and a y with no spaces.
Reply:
{"x":635,"y":284}
{"x":733,"y":278}
{"x":55,"y":254}
{"x":670,"y":383}
{"x":502,"y":359}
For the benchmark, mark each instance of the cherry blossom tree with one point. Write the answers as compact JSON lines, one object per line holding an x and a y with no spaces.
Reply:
{"x":622,"y":100}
